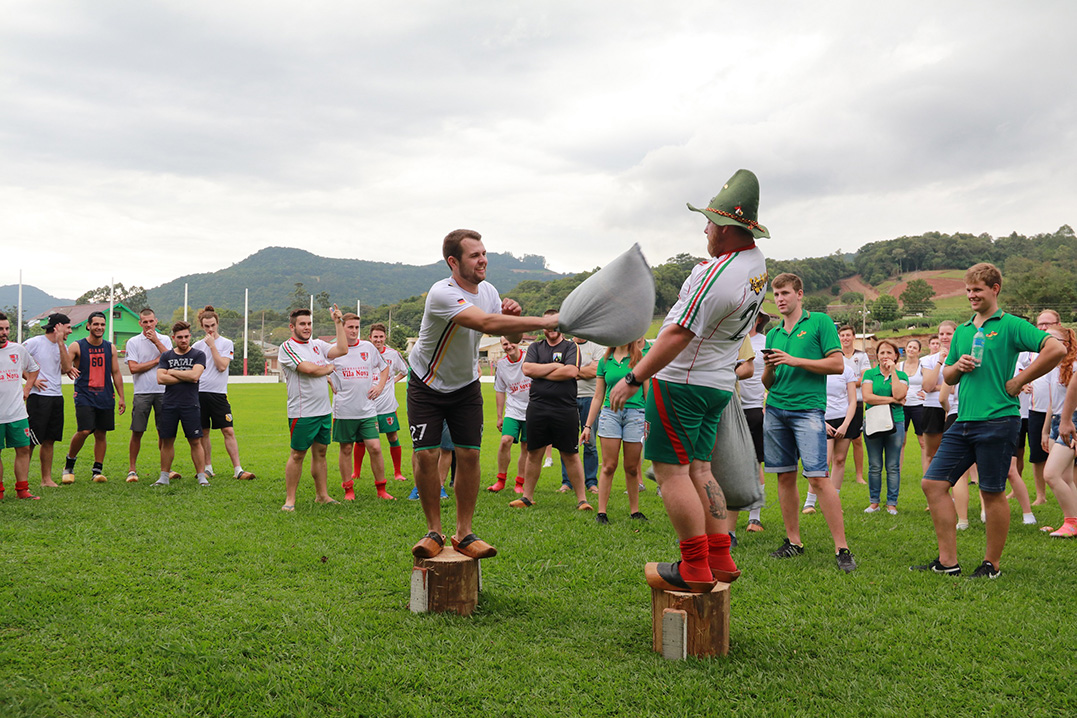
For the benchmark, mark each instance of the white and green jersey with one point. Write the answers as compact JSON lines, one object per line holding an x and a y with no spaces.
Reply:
{"x":307,"y":395}
{"x":14,"y":361}
{"x":356,"y":372}
{"x":509,"y":378}
{"x":213,"y":381}
{"x":718,"y":302}
{"x":386,"y":402}
{"x":446,"y":356}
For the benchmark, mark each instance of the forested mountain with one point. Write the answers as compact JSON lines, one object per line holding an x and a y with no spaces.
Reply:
{"x":34,"y":300}
{"x":272,"y":273}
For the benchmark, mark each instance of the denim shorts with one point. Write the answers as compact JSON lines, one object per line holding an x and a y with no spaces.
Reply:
{"x":988,"y":444}
{"x":789,"y":435}
{"x":1056,"y":421}
{"x":626,"y":425}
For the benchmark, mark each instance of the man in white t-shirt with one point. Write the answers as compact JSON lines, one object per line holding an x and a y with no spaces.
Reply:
{"x":143,"y":352}
{"x":693,"y":368}
{"x":444,"y":384}
{"x":360,"y":377}
{"x":307,"y":363}
{"x":16,"y":365}
{"x":386,"y":404}
{"x":215,"y":409}
{"x":45,"y":404}
{"x":512,"y":390}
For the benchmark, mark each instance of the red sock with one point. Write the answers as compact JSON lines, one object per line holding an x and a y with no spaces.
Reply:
{"x":519,"y":481}
{"x":357,"y":459}
{"x":502,"y":476}
{"x":694,"y":553}
{"x":382,"y":493}
{"x":719,"y":557}
{"x":397,"y":452}
{"x":1068,"y":519}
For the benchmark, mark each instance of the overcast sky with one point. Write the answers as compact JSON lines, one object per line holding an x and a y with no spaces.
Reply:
{"x":146,"y":140}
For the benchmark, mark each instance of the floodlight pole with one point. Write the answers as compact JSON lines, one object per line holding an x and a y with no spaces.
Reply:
{"x":246,"y":322}
{"x":112,"y":309}
{"x":185,"y":301}
{"x":19,"y":333}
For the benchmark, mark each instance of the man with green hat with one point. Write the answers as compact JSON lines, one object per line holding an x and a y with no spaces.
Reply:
{"x":691,"y":370}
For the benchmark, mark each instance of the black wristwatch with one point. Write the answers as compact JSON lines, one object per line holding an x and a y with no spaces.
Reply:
{"x":630,"y":379}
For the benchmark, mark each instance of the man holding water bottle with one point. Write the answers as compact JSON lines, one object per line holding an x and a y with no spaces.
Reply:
{"x":983,"y":354}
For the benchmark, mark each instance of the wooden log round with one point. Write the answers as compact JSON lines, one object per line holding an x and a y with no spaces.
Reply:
{"x":449,"y":582}
{"x":690,"y":624}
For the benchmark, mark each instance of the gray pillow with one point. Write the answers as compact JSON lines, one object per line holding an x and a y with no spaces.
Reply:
{"x":613,"y":306}
{"x":733,"y":463}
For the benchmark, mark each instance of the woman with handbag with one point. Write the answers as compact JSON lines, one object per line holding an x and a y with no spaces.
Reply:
{"x":884,"y":389}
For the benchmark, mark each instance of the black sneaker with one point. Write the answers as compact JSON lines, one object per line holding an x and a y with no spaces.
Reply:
{"x":986,"y":570}
{"x":732,"y":540}
{"x":638,"y":516}
{"x":937,"y":567}
{"x":788,"y":550}
{"x":602,"y":519}
{"x":845,"y":560}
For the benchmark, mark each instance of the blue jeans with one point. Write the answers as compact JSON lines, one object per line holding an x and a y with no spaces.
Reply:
{"x":788,"y":435}
{"x":989,"y":444}
{"x":590,"y":451}
{"x":885,"y":448}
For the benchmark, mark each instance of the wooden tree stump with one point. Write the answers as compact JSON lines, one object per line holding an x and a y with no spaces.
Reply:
{"x":448,"y":582}
{"x":690,"y":624}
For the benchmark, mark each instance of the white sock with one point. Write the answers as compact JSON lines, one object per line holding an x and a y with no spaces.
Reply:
{"x":237,"y":471}
{"x":164,"y":477}
{"x":809,"y":500}
{"x":209,"y":468}
{"x":753,"y":515}
{"x":1029,"y":518}
{"x":202,"y":479}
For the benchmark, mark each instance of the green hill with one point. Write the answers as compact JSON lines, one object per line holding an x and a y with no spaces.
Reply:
{"x":271,"y":275}
{"x":34,"y":300}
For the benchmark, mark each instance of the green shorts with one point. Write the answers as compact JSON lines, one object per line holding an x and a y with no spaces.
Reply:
{"x":516,"y":429}
{"x":310,"y":430}
{"x":15,"y":434}
{"x":388,"y":423}
{"x":682,"y":421}
{"x":350,"y":431}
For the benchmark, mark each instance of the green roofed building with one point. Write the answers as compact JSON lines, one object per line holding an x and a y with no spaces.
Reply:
{"x":124,"y":322}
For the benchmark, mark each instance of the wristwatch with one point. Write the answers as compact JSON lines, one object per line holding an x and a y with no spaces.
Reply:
{"x":630,"y":379}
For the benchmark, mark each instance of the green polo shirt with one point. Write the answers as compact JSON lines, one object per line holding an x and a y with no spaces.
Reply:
{"x":881,"y":386}
{"x":983,"y":392}
{"x":813,"y":337}
{"x":613,"y":371}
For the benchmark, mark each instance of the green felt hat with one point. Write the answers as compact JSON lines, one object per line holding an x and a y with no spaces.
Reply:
{"x":737,"y":204}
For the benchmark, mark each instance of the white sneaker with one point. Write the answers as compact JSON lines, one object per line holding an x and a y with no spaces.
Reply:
{"x":983,"y":516}
{"x":962,"y":525}
{"x":871,"y":509}
{"x":1029,"y":520}
{"x":547,"y":462}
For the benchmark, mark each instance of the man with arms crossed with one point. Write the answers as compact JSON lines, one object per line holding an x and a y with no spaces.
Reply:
{"x":143,"y":357}
{"x":98,"y":370}
{"x":45,"y":404}
{"x":988,"y":417}
{"x":178,"y":371}
{"x":307,"y":364}
{"x":692,"y":365}
{"x":355,"y":418}
{"x":800,"y":352}
{"x":589,"y":354}
{"x":553,"y":417}
{"x":216,"y":412}
{"x":444,"y":384}
{"x":511,"y":389}
{"x":386,"y":405}
{"x":16,"y":364}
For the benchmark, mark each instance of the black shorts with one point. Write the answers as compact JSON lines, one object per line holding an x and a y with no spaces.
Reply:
{"x":754,"y":417}
{"x":857,"y":424}
{"x":90,"y":418}
{"x":429,"y":409}
{"x":557,"y":426}
{"x":934,"y":420}
{"x":949,"y":421}
{"x":1019,"y":447}
{"x":215,"y":409}
{"x":170,"y":417}
{"x":834,"y":424}
{"x":914,"y":417}
{"x":1036,"y":420}
{"x":46,"y":418}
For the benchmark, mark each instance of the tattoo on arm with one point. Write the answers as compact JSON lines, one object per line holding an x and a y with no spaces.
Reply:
{"x":716,"y":499}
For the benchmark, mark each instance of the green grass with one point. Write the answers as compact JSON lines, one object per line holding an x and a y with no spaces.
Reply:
{"x":122,"y":600}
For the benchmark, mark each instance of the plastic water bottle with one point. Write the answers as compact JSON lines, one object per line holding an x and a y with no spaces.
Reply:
{"x":978,"y":341}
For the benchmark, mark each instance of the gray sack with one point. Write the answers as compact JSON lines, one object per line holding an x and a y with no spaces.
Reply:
{"x":733,"y":462}
{"x":613,"y":306}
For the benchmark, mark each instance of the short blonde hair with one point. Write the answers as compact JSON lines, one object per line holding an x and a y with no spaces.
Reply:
{"x":984,"y":272}
{"x":788,"y":278}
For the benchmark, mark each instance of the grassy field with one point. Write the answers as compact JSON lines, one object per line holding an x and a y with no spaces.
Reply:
{"x":122,"y":600}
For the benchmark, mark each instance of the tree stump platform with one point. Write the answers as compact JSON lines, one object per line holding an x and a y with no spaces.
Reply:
{"x":449,"y":582}
{"x":690,"y":624}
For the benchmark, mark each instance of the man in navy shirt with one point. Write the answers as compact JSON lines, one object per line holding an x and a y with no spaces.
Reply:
{"x":179,"y":370}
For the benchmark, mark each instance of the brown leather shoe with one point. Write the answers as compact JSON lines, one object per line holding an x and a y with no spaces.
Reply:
{"x":429,"y":546}
{"x":667,"y":577}
{"x":473,"y":546}
{"x":245,"y":476}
